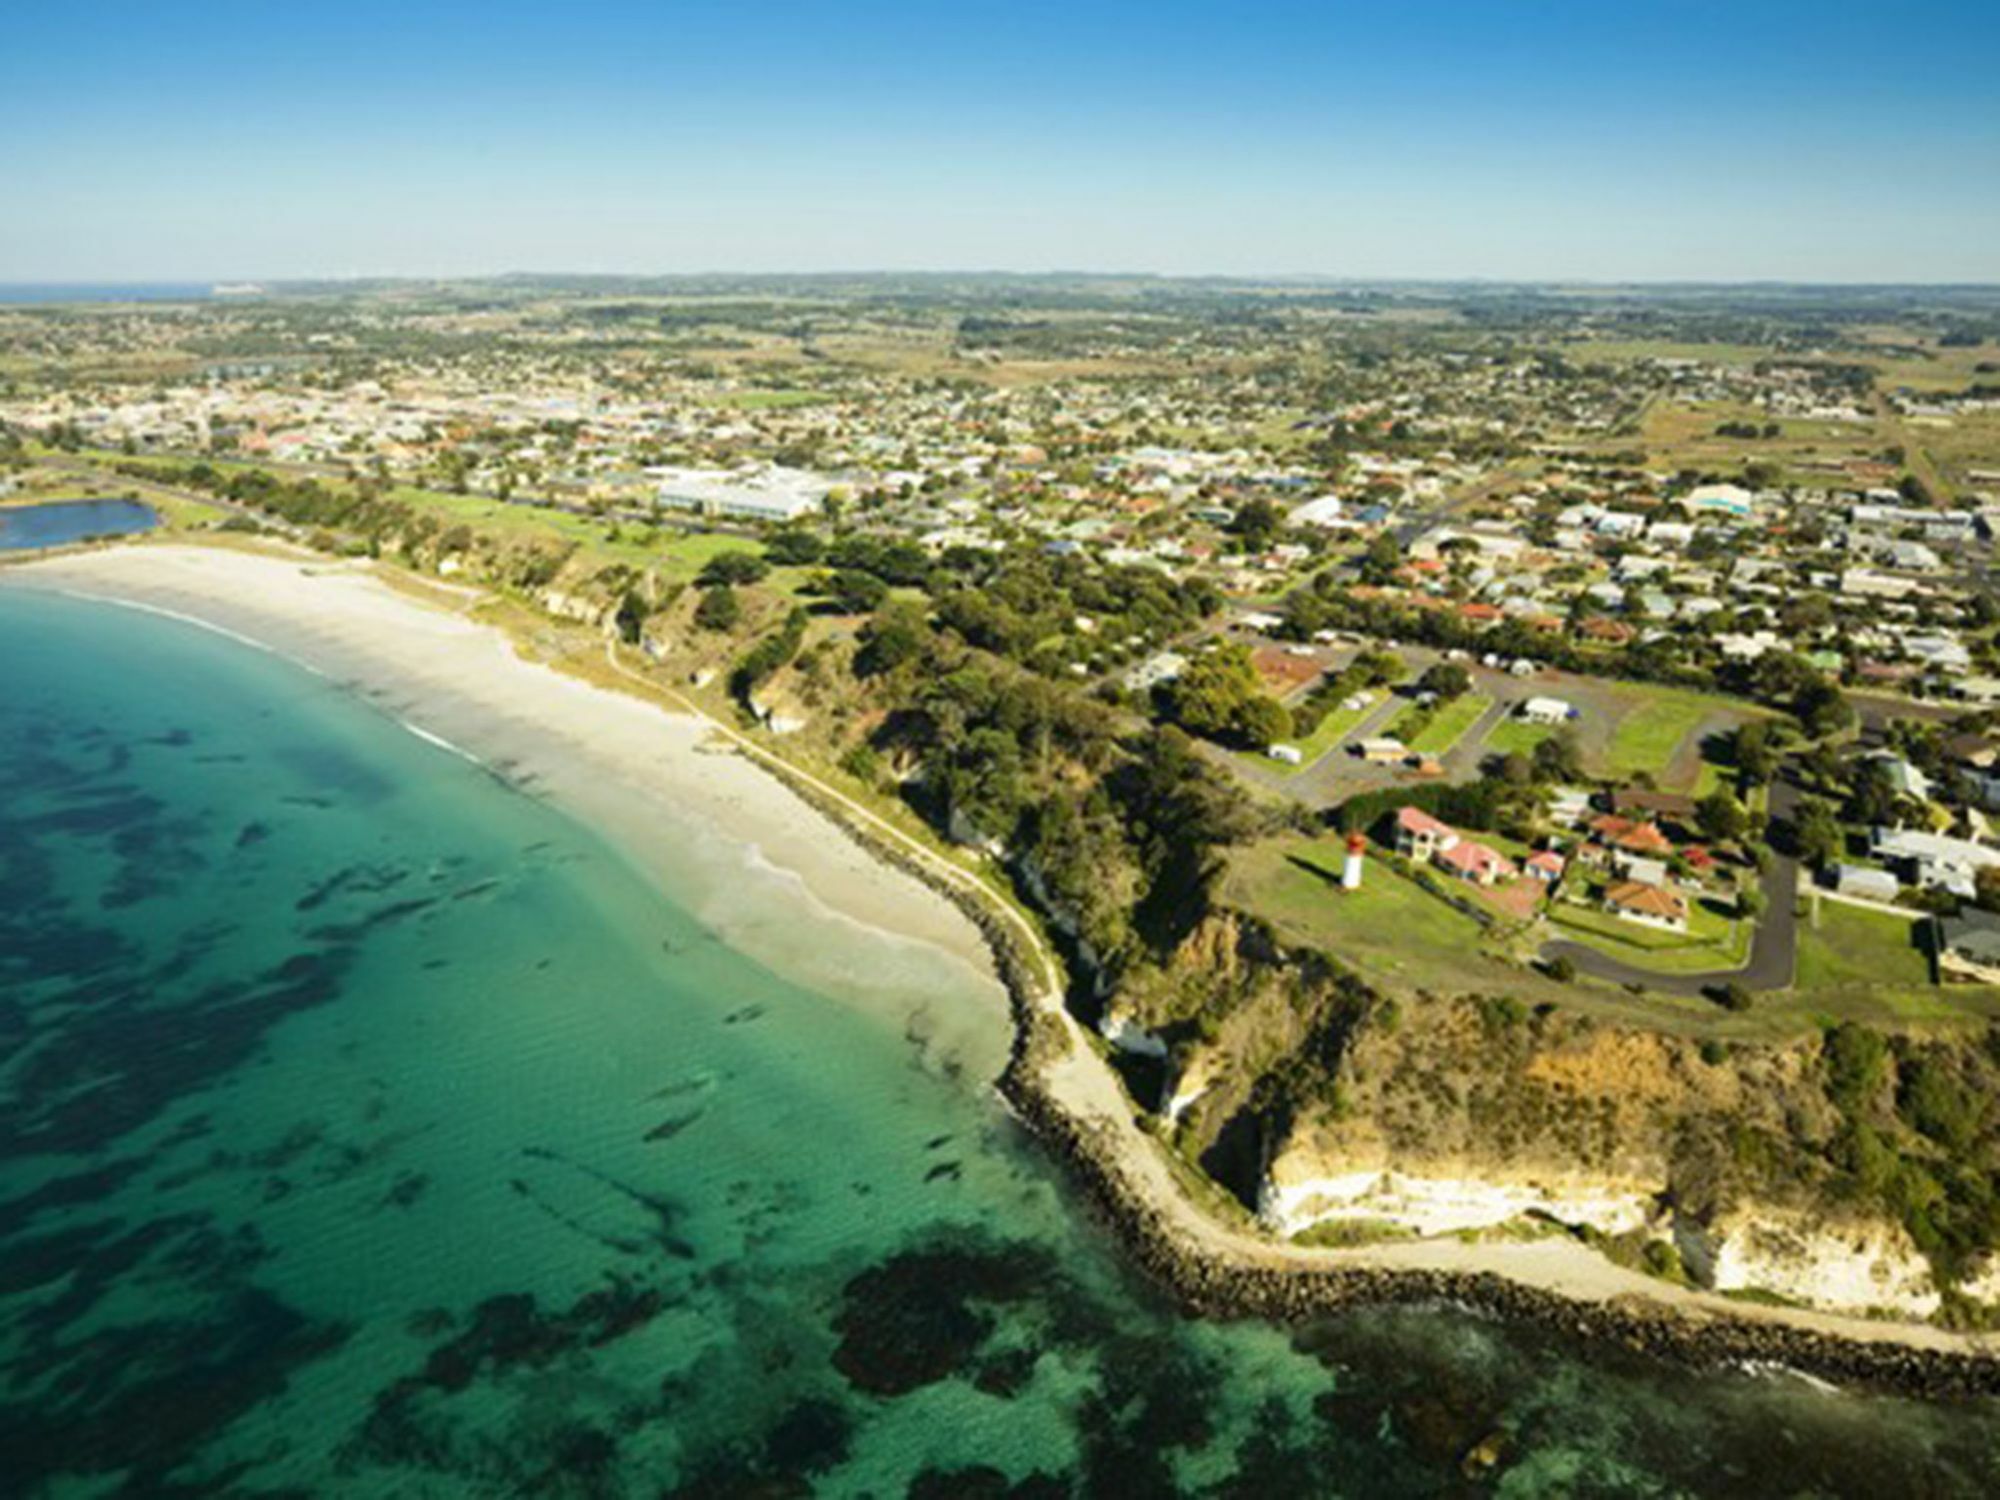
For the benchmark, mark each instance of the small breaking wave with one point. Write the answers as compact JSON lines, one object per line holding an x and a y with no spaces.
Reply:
{"x":430,"y":738}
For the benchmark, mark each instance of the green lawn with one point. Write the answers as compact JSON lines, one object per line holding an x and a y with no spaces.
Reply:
{"x":678,"y":555}
{"x":1857,"y":964}
{"x":767,"y":400}
{"x":1850,"y":945}
{"x":184,"y":512}
{"x":1517,"y":736}
{"x":1623,"y":351}
{"x":1396,"y":934}
{"x":1712,"y":941}
{"x":1390,"y":927}
{"x":1655,"y":736}
{"x":1646,"y":738}
{"x":1450,"y":721}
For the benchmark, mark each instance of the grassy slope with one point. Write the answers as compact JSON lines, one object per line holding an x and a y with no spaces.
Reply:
{"x":1389,"y":928}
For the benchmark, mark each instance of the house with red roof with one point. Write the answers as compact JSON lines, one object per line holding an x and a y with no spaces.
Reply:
{"x":1546,"y":866}
{"x":1651,"y":905}
{"x":1473,"y":861}
{"x":1630,"y":837}
{"x":1420,"y":836}
{"x":1611,"y":632}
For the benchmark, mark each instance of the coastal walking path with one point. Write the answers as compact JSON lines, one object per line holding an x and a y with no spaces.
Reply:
{"x":1073,"y":1085}
{"x":1082,"y":1084}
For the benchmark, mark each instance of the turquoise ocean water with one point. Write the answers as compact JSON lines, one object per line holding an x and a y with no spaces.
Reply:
{"x":369,"y":1127}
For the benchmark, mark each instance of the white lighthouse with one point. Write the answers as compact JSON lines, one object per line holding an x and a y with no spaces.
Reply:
{"x":1350,"y":872}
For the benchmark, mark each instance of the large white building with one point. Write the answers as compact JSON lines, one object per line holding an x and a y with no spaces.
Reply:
{"x":770,"y":494}
{"x":1934,"y":860}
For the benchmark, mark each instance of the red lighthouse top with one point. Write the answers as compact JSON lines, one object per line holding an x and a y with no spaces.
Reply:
{"x":1356,"y":843}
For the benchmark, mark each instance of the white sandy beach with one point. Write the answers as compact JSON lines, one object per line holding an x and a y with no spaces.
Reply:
{"x":771,"y":876}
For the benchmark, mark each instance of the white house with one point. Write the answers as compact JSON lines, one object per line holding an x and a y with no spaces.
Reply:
{"x":1162,"y":666}
{"x":1869,"y":884}
{"x":1325,"y":512}
{"x":1569,"y":805}
{"x":1935,"y":860}
{"x":1545,"y":711}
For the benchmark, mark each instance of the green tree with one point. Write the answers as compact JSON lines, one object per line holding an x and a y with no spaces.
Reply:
{"x":1816,"y":833}
{"x":733,"y":568}
{"x":794,"y":546}
{"x":853,"y":592}
{"x":1751,"y":749}
{"x":719,"y":609}
{"x":1373,"y":668}
{"x":1721,"y":818}
{"x":1383,"y":557}
{"x":631,"y":617}
{"x":1219,"y":697}
{"x":897,"y":635}
{"x":1559,"y":757}
{"x":1986,"y":888}
{"x":1733,"y":996}
{"x":1871,"y":798}
{"x":1447,"y":679}
{"x":1256,"y":523}
{"x":1262,"y":721}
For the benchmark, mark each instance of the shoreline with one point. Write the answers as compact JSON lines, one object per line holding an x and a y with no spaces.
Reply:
{"x":1057,"y":1087}
{"x":707,"y":826}
{"x":1222,"y":1273}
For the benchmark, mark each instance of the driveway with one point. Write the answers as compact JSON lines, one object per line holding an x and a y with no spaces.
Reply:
{"x":1773,"y":948}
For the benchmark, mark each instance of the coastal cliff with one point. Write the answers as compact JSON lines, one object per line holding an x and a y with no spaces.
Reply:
{"x":1341,"y":1116}
{"x":1497,"y":1131}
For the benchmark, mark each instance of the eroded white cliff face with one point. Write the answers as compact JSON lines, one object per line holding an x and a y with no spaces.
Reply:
{"x":1854,"y":1266}
{"x":1299,"y":1193}
{"x":1846,"y":1267}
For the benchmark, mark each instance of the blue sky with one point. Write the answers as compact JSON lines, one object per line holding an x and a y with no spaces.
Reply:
{"x":1514,"y":140}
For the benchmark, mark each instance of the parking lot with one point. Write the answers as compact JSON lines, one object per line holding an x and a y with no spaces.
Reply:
{"x":1621,"y":728}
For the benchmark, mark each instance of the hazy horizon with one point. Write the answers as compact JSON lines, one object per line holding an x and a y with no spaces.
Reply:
{"x":206,"y":283}
{"x":1808,"y":144}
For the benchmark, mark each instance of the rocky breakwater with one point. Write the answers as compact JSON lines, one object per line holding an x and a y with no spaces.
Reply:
{"x":1218,"y":1284}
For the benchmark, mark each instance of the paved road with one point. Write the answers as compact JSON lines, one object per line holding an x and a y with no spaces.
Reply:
{"x":1462,"y":757}
{"x":1773,"y":949}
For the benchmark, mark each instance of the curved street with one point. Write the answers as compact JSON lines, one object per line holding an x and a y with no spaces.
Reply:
{"x":1773,"y":949}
